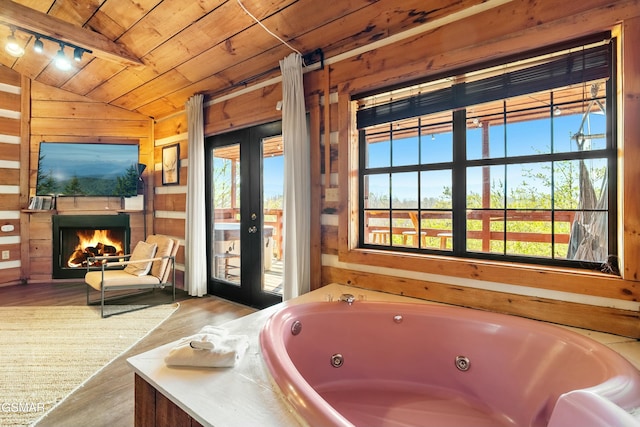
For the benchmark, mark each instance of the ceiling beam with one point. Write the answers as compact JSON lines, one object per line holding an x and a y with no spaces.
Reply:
{"x":21,"y":16}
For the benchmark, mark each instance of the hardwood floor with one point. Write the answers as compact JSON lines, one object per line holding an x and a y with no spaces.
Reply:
{"x":107,"y":398}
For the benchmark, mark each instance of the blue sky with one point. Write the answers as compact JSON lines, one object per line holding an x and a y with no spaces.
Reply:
{"x":523,"y":138}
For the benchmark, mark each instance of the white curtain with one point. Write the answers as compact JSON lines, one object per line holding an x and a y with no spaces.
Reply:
{"x":195,"y":264}
{"x":297,"y":180}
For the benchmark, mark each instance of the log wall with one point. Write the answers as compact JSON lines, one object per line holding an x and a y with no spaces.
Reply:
{"x":12,"y":109}
{"x":59,"y":116}
{"x":573,"y":297}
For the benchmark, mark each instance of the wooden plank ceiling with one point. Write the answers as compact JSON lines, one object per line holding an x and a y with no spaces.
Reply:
{"x":204,"y":46}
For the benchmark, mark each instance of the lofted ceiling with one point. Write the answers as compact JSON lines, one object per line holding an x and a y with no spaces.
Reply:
{"x":150,"y":56}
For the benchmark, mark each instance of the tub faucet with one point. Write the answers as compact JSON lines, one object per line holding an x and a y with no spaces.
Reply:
{"x":348,"y":298}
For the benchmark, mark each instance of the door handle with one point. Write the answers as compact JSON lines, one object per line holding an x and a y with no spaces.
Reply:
{"x":253,"y":229}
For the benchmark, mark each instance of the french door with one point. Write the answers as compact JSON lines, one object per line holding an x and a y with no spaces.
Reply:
{"x":245,"y":192}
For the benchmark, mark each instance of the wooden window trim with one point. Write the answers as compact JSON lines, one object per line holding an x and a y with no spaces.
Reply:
{"x":562,"y":279}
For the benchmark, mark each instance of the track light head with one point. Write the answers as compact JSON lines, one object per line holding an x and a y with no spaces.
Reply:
{"x":38,"y":46}
{"x":12,"y":47}
{"x":61,"y":61}
{"x":77,"y":54}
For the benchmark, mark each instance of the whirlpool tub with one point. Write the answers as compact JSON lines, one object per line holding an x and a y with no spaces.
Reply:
{"x":404,"y":364}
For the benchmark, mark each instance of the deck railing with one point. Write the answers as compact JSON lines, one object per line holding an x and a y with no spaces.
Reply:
{"x":485,"y":226}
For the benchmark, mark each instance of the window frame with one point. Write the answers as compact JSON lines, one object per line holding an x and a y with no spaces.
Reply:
{"x":460,"y":165}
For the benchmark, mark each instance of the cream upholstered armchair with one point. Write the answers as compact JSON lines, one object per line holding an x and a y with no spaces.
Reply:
{"x":151,"y":265}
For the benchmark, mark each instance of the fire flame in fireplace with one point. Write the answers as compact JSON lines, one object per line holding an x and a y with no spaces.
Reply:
{"x":94,"y":243}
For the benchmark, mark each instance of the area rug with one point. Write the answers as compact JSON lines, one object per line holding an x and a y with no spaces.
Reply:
{"x":48,"y":352}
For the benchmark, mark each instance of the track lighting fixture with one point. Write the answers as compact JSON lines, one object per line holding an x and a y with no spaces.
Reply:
{"x":16,"y":48}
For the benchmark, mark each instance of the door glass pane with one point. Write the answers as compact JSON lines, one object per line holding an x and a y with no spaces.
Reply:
{"x":273,"y":196}
{"x":226,"y":214}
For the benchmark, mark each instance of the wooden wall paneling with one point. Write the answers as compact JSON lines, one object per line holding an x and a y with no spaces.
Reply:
{"x":180,"y":275}
{"x":9,"y":101}
{"x":9,"y":76}
{"x":622,"y":322}
{"x":136,"y":224}
{"x":182,"y":179}
{"x":326,"y":126}
{"x":65,"y":126}
{"x":75,"y":205}
{"x":40,"y":224}
{"x":171,"y":202}
{"x":169,"y":226}
{"x":39,"y":247}
{"x":10,"y":151}
{"x":631,"y":149}
{"x":315,"y":237}
{"x":14,"y":249}
{"x":243,"y":111}
{"x":9,"y":126}
{"x":82,"y":110}
{"x":172,"y":126}
{"x":43,"y":92}
{"x":25,"y":172}
{"x":147,"y":157}
{"x":9,"y":276}
{"x":180,"y":256}
{"x":499,"y":32}
{"x":10,"y":201}
{"x":348,"y":182}
{"x":329,"y":240}
{"x":9,"y":175}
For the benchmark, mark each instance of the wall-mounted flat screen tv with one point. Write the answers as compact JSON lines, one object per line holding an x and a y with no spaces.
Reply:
{"x":87,"y":169}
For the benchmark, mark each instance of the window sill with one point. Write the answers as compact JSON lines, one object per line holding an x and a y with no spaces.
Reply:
{"x":563,"y":279}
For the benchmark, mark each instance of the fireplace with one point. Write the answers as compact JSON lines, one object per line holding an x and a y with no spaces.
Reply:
{"x":78,"y":237}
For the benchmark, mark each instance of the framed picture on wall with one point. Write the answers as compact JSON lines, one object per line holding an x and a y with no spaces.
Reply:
{"x":171,"y":164}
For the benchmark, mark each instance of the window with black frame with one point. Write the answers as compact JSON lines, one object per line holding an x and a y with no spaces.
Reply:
{"x":512,"y":162}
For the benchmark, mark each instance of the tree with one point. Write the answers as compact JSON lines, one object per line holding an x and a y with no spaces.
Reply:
{"x":222,"y":180}
{"x":127,"y":184}
{"x":46,"y":183}
{"x":73,"y":186}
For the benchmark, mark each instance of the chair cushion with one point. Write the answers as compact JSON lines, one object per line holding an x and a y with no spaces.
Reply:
{"x":165,"y":246}
{"x":143,"y":250}
{"x":119,"y":278}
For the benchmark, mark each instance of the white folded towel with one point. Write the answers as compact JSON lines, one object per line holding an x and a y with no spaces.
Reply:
{"x":216,"y":349}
